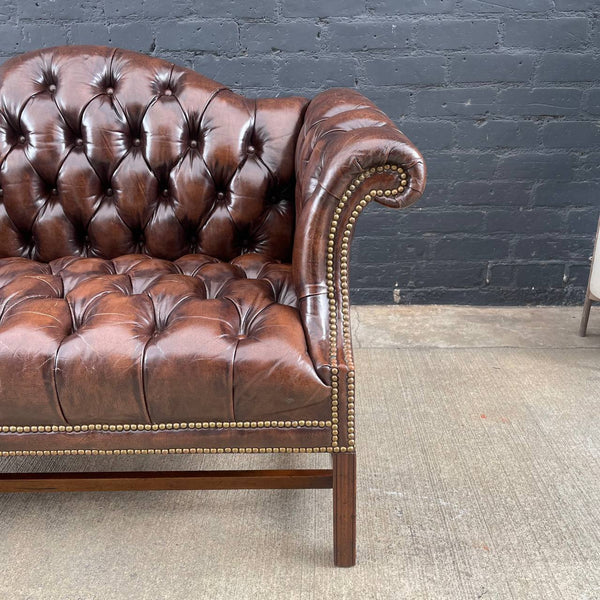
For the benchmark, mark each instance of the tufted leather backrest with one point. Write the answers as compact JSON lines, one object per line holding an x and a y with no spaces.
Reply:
{"x":106,"y":152}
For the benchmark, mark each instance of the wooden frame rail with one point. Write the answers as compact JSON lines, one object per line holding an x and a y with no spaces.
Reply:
{"x":342,"y":479}
{"x":120,"y":481}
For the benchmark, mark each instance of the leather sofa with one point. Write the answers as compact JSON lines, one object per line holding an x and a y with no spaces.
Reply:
{"x":174,"y":270}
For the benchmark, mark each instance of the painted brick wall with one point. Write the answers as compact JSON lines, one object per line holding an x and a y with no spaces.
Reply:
{"x":503,"y":98}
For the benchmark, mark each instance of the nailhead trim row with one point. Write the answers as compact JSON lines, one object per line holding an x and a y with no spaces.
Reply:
{"x":162,"y":426}
{"x":333,"y":307}
{"x":282,"y":450}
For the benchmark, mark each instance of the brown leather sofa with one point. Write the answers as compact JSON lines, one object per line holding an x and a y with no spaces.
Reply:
{"x":174,"y":270}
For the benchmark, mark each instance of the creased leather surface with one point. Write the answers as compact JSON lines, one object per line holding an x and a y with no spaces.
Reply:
{"x":143,"y":340}
{"x":106,"y":152}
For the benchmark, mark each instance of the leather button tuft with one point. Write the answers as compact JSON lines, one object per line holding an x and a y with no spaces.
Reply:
{"x":193,"y":144}
{"x":110,"y":91}
{"x":1,"y":192}
{"x":52,"y":88}
{"x":21,"y":139}
{"x":168,"y":92}
{"x":251,"y":149}
{"x":165,"y":192}
{"x":54,"y":192}
{"x":79,"y":142}
{"x":220,"y":196}
{"x":109,"y":192}
{"x":137,"y":142}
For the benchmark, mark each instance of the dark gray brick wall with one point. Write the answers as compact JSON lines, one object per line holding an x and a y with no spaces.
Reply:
{"x":502,"y":97}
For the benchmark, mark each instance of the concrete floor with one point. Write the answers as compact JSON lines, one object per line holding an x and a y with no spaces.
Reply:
{"x":479,"y":470}
{"x":473,"y":327}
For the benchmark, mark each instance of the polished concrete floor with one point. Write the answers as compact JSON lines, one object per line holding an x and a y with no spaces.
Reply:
{"x":479,"y":477}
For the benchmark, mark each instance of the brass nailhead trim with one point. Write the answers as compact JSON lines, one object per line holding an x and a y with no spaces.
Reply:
{"x":282,"y":450}
{"x":333,"y":306}
{"x":161,"y":426}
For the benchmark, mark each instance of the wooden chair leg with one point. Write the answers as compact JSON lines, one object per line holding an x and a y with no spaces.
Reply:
{"x":585,"y":317}
{"x":344,"y":509}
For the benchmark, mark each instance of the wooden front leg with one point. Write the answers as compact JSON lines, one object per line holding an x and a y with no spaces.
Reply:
{"x":344,"y":509}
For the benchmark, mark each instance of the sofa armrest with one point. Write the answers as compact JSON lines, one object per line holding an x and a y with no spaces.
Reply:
{"x":349,"y":153}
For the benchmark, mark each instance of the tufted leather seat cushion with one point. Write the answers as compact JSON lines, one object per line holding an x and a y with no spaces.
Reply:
{"x":143,"y":340}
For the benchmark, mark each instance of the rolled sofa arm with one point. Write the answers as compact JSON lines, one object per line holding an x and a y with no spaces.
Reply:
{"x":349,"y":153}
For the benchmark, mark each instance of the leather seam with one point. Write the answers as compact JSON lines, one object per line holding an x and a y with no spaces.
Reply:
{"x":272,"y":175}
{"x":54,"y":370}
{"x":143,"y":373}
{"x":237,"y":345}
{"x":200,"y":119}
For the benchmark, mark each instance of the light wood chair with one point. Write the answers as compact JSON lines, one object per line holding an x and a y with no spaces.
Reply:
{"x":593,"y":290}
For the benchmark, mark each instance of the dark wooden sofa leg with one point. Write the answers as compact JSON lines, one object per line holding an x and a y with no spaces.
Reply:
{"x":585,"y":317}
{"x":344,"y":509}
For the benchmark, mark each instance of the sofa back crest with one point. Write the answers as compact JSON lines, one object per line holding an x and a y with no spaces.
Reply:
{"x":106,"y":152}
